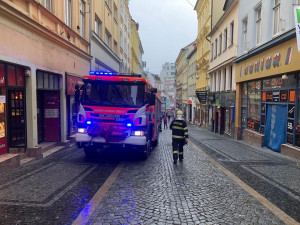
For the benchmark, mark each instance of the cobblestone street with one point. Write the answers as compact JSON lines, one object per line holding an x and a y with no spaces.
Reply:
{"x":57,"y":189}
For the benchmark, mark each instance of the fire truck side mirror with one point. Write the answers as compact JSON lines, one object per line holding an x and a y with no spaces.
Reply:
{"x":153,"y":90}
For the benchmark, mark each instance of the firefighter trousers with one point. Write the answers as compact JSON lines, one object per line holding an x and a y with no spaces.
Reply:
{"x":177,"y":145}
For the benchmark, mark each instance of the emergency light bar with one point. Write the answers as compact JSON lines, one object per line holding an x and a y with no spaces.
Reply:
{"x":105,"y":73}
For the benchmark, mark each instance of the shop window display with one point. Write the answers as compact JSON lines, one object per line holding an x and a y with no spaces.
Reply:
{"x":254,"y":105}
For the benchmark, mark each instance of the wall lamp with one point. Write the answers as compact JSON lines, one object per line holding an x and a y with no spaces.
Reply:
{"x":284,"y":77}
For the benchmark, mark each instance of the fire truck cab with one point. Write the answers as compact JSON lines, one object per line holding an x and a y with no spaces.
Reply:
{"x":121,"y":110}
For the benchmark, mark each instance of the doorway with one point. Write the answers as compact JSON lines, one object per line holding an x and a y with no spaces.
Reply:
{"x":48,"y":118}
{"x":16,"y":116}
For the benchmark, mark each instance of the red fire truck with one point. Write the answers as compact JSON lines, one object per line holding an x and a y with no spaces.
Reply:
{"x":121,"y":110}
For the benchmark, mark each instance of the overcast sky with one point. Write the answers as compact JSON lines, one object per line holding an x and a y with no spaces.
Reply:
{"x":165,"y":26}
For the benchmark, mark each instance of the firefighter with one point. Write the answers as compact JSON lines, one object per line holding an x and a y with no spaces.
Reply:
{"x":179,"y":136}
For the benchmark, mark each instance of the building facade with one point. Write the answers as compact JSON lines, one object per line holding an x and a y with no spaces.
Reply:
{"x":182,"y":66}
{"x":105,"y":35}
{"x":136,"y":49}
{"x":44,"y":50}
{"x":220,"y":116}
{"x":208,"y":13}
{"x":125,"y":21}
{"x":267,"y":76}
{"x":168,"y":75}
{"x":191,"y":86}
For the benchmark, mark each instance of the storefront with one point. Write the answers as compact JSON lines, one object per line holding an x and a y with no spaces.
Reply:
{"x":12,"y":91}
{"x":72,"y":109}
{"x":48,"y":107}
{"x":269,"y":97}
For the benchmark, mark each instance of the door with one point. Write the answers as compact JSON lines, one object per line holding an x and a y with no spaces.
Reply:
{"x":275,"y":130}
{"x":51,"y":116}
{"x":16,"y":116}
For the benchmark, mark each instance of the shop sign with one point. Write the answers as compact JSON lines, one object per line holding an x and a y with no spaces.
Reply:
{"x":276,"y":96}
{"x":263,"y":108}
{"x":283,"y":96}
{"x":211,"y":97}
{"x":292,"y":96}
{"x":269,"y":96}
{"x":291,"y":111}
{"x":290,"y":126}
{"x":297,"y":25}
{"x":202,"y":96}
{"x":71,"y":82}
{"x":3,"y":146}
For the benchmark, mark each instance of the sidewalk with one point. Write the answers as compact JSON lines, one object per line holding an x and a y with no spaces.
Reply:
{"x":273,"y":175}
{"x":194,"y":191}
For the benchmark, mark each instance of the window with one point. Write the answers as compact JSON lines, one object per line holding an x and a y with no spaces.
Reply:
{"x":254,"y":105}
{"x":220,"y":43}
{"x":219,"y":81}
{"x":47,"y":4}
{"x":230,"y":78}
{"x":115,"y":47}
{"x":231,"y":33}
{"x":224,"y":80}
{"x":122,"y":40}
{"x":245,"y":24}
{"x":212,"y":52}
{"x":82,"y":18}
{"x":107,"y":38}
{"x":108,"y":2}
{"x":68,"y":12}
{"x":216,"y":48}
{"x":276,"y":17}
{"x":98,"y":26}
{"x":115,"y":13}
{"x":258,"y":25}
{"x":225,"y":39}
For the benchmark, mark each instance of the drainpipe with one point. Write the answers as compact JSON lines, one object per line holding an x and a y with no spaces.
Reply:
{"x":90,"y":31}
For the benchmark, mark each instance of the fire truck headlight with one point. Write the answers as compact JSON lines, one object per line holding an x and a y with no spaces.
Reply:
{"x":139,"y":133}
{"x":81,"y":130}
{"x":129,"y":125}
{"x":88,"y":122}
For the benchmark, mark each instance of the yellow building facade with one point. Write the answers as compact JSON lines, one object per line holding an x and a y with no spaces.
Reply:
{"x":136,"y":49}
{"x":208,"y":13}
{"x":105,"y":35}
{"x":44,"y":51}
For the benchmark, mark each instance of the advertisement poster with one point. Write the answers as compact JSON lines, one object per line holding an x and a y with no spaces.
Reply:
{"x":297,"y":25}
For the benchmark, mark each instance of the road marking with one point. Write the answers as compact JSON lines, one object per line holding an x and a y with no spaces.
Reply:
{"x":88,"y":210}
{"x":265,"y":202}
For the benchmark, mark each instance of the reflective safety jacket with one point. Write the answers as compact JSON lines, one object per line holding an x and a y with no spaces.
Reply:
{"x":179,"y":129}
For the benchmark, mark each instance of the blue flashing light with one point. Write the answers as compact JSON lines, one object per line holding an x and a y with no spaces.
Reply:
{"x":89,"y":122}
{"x":129,"y":125}
{"x":100,"y":73}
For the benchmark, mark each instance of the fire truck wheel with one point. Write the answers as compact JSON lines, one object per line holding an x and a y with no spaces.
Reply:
{"x":146,"y":150}
{"x":90,"y":152}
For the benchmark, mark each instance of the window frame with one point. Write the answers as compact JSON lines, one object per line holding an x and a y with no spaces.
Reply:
{"x":225,"y":38}
{"x":231,"y":33}
{"x":48,"y":4}
{"x":68,"y":13}
{"x":258,"y":24}
{"x":82,"y":17}
{"x":245,"y":31}
{"x":276,"y":30}
{"x":220,"y":43}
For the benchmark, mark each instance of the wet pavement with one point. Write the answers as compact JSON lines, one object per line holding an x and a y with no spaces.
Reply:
{"x":55,"y":190}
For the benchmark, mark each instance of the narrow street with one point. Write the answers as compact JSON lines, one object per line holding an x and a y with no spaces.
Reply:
{"x":126,"y":190}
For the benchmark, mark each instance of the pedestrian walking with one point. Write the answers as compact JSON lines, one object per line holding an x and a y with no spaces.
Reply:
{"x":165,"y":123}
{"x":179,"y":136}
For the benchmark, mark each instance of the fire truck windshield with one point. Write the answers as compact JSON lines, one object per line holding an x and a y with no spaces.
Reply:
{"x":119,"y":94}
